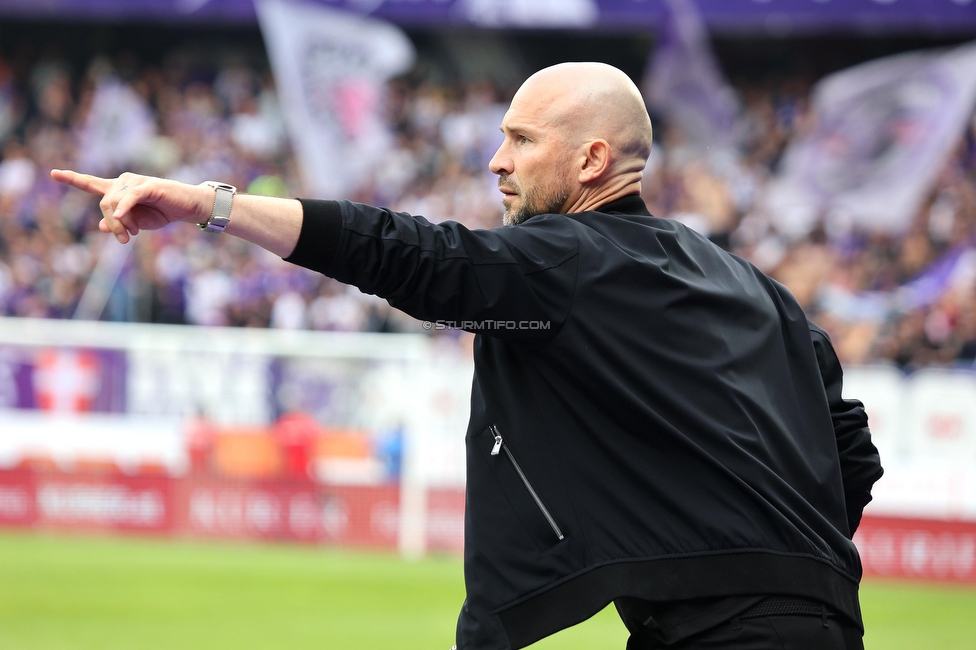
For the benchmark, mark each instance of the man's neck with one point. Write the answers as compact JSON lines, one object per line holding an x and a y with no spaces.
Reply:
{"x":591,"y":199}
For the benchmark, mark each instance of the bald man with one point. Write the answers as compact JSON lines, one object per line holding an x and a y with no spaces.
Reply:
{"x":654,"y":422}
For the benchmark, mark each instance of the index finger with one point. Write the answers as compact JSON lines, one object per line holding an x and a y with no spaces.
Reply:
{"x":85,"y":182}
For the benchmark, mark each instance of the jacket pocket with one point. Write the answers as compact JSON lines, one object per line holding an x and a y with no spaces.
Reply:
{"x":531,"y":510}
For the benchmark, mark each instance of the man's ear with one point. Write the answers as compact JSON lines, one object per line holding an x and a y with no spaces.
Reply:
{"x":596,"y":161}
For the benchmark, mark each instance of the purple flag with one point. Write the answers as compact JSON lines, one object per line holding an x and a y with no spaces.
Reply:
{"x":954,"y":269}
{"x":883,"y":131}
{"x":685,"y":83}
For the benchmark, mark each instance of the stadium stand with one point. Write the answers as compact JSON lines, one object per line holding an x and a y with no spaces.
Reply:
{"x":204,"y":121}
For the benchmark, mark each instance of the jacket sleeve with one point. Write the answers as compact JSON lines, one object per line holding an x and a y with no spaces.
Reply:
{"x":860,"y":462}
{"x":515,"y":283}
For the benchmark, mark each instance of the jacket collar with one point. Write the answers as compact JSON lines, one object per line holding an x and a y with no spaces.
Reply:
{"x":630,"y":204}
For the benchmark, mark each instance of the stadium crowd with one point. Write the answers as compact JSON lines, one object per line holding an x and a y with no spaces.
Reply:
{"x":875,"y":294}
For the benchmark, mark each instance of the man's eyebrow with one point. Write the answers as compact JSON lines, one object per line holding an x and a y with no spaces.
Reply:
{"x":516,"y":128}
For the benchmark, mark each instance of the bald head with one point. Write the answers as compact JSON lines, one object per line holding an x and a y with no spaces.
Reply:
{"x":577,"y":136}
{"x":590,"y":101}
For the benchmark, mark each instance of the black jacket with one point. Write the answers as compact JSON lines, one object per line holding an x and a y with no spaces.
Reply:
{"x":650,"y":415}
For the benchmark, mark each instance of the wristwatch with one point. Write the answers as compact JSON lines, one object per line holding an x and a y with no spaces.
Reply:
{"x":220,"y":214}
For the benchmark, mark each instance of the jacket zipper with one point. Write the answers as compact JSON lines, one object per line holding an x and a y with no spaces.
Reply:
{"x":528,"y":486}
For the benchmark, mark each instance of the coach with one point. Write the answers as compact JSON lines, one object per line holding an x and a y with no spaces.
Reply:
{"x":654,"y":422}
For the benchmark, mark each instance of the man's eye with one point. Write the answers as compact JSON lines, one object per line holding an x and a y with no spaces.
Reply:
{"x":523,"y":140}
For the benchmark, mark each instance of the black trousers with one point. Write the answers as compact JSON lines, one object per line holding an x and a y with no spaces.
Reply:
{"x":776,"y":632}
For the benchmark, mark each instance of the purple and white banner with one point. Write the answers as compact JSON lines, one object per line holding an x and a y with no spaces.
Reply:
{"x":63,"y":380}
{"x":883,"y":132}
{"x":953,"y":270}
{"x":685,"y":82}
{"x":330,"y":67}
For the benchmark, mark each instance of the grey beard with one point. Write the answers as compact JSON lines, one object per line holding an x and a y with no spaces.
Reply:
{"x":551,"y":204}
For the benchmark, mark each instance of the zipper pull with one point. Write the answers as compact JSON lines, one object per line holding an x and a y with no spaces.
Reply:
{"x":498,"y":441}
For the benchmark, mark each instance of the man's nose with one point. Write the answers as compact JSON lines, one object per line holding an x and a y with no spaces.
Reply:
{"x":501,"y":162}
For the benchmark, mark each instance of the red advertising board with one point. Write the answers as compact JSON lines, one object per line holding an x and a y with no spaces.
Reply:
{"x":127,"y":503}
{"x":17,"y":500}
{"x":253,"y":509}
{"x":111,"y":502}
{"x":289,"y":510}
{"x":363,"y":516}
{"x":918,"y":548}
{"x":445,"y":520}
{"x":304,"y":511}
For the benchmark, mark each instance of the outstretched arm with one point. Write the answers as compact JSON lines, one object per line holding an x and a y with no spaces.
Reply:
{"x":512,"y":283}
{"x":131,"y":203}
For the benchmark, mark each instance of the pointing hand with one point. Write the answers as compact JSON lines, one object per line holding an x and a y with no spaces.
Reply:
{"x":131,"y":202}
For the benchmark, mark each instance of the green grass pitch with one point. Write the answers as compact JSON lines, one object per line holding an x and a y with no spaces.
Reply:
{"x":89,"y":592}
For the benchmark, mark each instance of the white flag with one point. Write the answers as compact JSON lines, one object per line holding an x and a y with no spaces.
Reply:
{"x":883,"y":131}
{"x":330,"y":67}
{"x":117,"y":131}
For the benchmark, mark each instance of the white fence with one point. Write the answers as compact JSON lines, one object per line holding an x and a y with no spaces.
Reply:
{"x":924,"y":425}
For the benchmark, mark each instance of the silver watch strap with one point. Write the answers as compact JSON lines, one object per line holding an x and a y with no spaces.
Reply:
{"x":220,"y":214}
